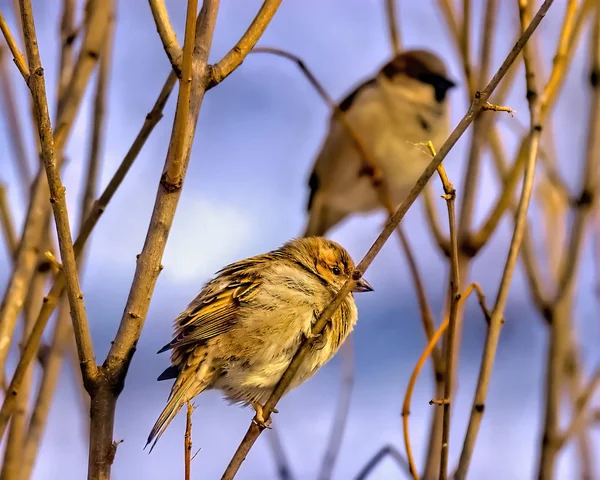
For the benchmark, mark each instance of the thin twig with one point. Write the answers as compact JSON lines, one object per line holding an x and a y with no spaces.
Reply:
{"x":52,"y":297}
{"x":388,"y":450}
{"x":238,"y":53}
{"x":391,"y":11}
{"x":475,"y":108}
{"x":172,"y":178}
{"x":493,"y":334}
{"x":559,"y":64}
{"x":98,"y":16}
{"x":67,"y":41}
{"x":341,"y":412}
{"x":57,"y":195}
{"x":284,"y":470}
{"x":18,"y":58}
{"x":15,"y":132}
{"x":422,"y":359}
{"x":187,"y":441}
{"x":52,"y":363}
{"x":557,"y":314}
{"x":12,"y":464}
{"x":7,"y":223}
{"x":454,"y":289}
{"x":167,"y":34}
{"x":98,"y":12}
{"x":581,"y":413}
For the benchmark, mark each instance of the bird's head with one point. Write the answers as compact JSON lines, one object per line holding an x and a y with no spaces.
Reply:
{"x":418,"y":68}
{"x":327,"y":260}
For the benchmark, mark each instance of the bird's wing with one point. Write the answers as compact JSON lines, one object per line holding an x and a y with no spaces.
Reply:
{"x":361,"y":107}
{"x":215,"y":310}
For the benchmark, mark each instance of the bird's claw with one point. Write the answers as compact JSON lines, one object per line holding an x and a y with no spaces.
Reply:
{"x":259,"y":418}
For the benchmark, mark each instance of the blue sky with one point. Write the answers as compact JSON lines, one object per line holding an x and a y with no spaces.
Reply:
{"x":245,"y":193}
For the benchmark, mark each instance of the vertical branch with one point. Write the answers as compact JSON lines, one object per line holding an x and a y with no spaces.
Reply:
{"x":67,"y":39}
{"x":57,"y":195}
{"x":187,"y":440}
{"x":52,"y":297}
{"x":12,"y":464}
{"x":52,"y":363}
{"x":451,"y":350}
{"x":493,"y":334}
{"x":38,"y":210}
{"x":341,"y":412}
{"x":6,"y":223}
{"x":391,"y":10}
{"x":15,"y":132}
{"x":558,"y":315}
{"x":173,"y":177}
{"x":476,"y":106}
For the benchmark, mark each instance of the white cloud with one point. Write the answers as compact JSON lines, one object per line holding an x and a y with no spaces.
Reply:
{"x":206,"y":235}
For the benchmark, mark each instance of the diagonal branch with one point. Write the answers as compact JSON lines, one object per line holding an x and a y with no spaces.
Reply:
{"x":52,"y":297}
{"x":235,"y":57}
{"x":57,"y":195}
{"x":98,"y":13}
{"x":18,"y":58}
{"x":477,"y":105}
{"x":493,"y":334}
{"x":173,"y":177}
{"x":167,"y":34}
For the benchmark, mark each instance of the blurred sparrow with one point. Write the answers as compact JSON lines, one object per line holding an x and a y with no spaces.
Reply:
{"x":241,"y":332}
{"x":404,"y":104}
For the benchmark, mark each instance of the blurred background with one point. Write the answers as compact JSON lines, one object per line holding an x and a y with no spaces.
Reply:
{"x":246,"y":192}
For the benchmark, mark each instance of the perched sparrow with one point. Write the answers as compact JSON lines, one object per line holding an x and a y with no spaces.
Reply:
{"x":241,"y":332}
{"x":404,"y":104}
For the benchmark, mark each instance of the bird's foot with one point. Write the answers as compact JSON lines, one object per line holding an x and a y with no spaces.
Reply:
{"x":259,"y":418}
{"x":310,"y":335}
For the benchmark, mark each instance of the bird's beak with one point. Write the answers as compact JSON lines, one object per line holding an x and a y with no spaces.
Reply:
{"x":362,"y":286}
{"x":448,"y":83}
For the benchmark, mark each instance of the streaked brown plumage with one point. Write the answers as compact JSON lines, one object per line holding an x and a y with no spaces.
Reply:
{"x":242,"y":330}
{"x":403,"y":104}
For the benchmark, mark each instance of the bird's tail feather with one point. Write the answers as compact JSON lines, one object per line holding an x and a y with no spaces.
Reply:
{"x":190,"y":382}
{"x":177,"y":399}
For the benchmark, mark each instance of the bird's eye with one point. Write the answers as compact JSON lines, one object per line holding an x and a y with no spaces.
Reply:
{"x":336,"y":270}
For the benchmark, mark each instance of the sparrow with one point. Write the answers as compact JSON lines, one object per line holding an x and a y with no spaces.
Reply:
{"x":240,"y":333}
{"x":404,"y":104}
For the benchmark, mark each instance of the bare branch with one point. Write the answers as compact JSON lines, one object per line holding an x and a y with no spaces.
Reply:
{"x":7,"y":223}
{"x":581,"y":413}
{"x":173,"y":176}
{"x":52,"y":364}
{"x":341,"y":412}
{"x":18,"y":58}
{"x":493,"y":335}
{"x":57,"y":195}
{"x":391,"y":11}
{"x":238,"y":53}
{"x":284,"y":470}
{"x":12,"y":464}
{"x":187,"y":440}
{"x":167,"y":34}
{"x":388,"y":450}
{"x":51,"y":299}
{"x":15,"y":136}
{"x":475,"y":108}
